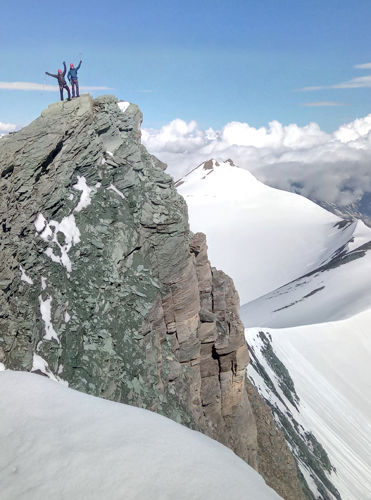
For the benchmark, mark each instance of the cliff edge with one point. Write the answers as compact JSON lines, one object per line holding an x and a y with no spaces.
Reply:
{"x":105,"y":288}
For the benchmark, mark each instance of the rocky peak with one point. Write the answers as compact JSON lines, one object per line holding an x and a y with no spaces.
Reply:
{"x":205,"y":168}
{"x":105,"y":288}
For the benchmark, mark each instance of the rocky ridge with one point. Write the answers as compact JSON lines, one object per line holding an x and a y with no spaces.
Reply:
{"x":104,"y":287}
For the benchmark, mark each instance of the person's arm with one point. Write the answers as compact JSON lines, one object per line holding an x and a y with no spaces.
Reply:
{"x":78,"y":67}
{"x":69,"y":76}
{"x":64,"y":68}
{"x":54,"y":76}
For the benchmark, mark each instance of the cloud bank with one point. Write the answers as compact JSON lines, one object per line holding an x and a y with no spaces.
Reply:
{"x":328,"y":167}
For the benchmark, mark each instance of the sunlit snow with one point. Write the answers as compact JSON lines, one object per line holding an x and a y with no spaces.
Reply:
{"x":58,"y":443}
{"x":123,"y":105}
{"x":85,"y":199}
{"x":24,"y":276}
{"x":39,"y":364}
{"x":49,"y":233}
{"x":330,"y":366}
{"x":262,"y":237}
{"x":312,"y":267}
{"x":45,"y":310}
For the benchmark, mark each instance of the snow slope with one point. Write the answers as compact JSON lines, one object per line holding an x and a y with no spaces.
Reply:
{"x":298,"y":268}
{"x":262,"y":237}
{"x":58,"y":443}
{"x":337,"y":290}
{"x":330,"y":366}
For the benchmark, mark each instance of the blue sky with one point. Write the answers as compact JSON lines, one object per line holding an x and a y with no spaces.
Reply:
{"x":209,"y":61}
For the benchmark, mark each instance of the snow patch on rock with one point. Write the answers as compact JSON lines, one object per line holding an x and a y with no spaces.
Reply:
{"x":39,"y":364}
{"x":40,"y":223}
{"x":113,"y":188}
{"x":49,"y":233}
{"x":24,"y":276}
{"x":85,"y":198}
{"x":123,"y":105}
{"x":45,"y":310}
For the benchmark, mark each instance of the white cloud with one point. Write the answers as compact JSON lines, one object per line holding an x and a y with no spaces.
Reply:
{"x":320,"y":104}
{"x":330,"y":167}
{"x":354,"y":83}
{"x":41,"y":87}
{"x":354,"y":131}
{"x":7,"y":127}
{"x":363,"y":66}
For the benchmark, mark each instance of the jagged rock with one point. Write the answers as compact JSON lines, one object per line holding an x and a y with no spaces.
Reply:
{"x":103,"y":284}
{"x":275,"y":461}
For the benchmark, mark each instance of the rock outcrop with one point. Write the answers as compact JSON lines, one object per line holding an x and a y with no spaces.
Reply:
{"x":103,"y":285}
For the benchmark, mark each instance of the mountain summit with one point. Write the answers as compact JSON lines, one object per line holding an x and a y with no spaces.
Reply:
{"x":105,"y":288}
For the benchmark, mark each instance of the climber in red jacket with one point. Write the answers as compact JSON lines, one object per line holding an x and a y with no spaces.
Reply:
{"x":61,"y":81}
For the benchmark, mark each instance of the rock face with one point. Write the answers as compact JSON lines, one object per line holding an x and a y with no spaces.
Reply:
{"x":269,"y":377}
{"x":275,"y":462}
{"x":104,"y":286}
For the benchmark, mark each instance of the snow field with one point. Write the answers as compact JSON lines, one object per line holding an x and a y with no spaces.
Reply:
{"x":59,"y":443}
{"x":330,"y":366}
{"x":262,"y":237}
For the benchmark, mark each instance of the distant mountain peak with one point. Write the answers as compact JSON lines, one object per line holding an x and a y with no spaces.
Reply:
{"x":212,"y":163}
{"x":208,"y":166}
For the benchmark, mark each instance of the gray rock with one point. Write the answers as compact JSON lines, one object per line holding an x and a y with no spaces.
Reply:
{"x":104,"y":286}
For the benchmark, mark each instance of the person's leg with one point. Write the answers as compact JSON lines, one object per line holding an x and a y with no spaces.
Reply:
{"x":61,"y":92}
{"x":68,"y":91}
{"x":77,"y":88}
{"x":73,"y":88}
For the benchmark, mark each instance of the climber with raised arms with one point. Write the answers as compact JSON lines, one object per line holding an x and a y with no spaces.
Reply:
{"x":73,"y":79}
{"x":61,"y":81}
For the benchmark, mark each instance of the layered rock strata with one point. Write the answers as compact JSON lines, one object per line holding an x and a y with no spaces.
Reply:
{"x":102,"y":284}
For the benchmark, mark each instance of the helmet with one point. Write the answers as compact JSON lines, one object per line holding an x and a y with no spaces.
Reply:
{"x":59,"y":71}
{"x":71,"y":65}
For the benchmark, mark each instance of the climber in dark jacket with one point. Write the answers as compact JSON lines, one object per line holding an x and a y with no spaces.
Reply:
{"x":73,"y":79}
{"x":61,"y":81}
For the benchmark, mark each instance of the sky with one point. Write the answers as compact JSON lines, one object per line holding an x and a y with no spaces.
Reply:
{"x":283,"y":88}
{"x":211,"y":61}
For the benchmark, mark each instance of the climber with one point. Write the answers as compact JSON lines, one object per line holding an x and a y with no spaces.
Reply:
{"x":73,"y":79}
{"x":61,"y":81}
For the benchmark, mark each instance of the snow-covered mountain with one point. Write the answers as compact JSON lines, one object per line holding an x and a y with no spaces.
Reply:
{"x":337,"y":289}
{"x":305,"y":271}
{"x":329,"y":364}
{"x":62,"y":444}
{"x":263,"y":237}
